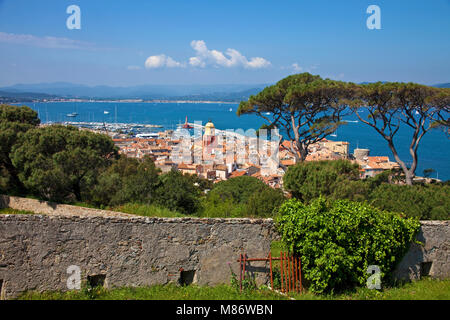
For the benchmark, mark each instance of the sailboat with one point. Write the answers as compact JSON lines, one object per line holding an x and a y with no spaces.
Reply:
{"x":72,"y":115}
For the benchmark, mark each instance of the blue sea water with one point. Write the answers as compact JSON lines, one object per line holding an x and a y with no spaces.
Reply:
{"x":434,"y":150}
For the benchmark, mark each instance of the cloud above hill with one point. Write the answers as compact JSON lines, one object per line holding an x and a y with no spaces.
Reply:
{"x":205,"y":57}
{"x":161,"y":61}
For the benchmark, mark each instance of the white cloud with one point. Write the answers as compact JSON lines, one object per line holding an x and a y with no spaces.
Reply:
{"x":160,"y":61}
{"x":172,"y":63}
{"x":205,"y":57}
{"x":45,"y":42}
{"x":296,"y":67}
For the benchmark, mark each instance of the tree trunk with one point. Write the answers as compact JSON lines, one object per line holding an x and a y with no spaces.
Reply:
{"x":15,"y":181}
{"x":77,"y":191}
{"x":409,"y":175}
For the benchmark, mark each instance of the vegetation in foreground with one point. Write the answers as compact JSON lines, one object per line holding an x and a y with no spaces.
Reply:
{"x":67,"y":165}
{"x":14,"y":211}
{"x":425,"y":289}
{"x":338,"y":240}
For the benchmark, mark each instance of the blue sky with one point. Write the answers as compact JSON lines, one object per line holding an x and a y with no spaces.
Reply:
{"x":125,"y":43}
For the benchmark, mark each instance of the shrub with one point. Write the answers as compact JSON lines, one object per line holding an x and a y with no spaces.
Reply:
{"x":127,"y":180}
{"x":60,"y":163}
{"x":14,"y":122}
{"x":216,"y":207}
{"x":178,"y":192}
{"x":242,"y":197}
{"x":238,"y":189}
{"x":336,"y":179}
{"x":421,"y":201}
{"x":338,"y":240}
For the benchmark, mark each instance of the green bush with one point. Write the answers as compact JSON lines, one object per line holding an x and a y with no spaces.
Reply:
{"x":178,"y":192}
{"x":61,"y":163}
{"x":340,"y":180}
{"x":242,"y":197}
{"x":338,"y":240}
{"x":431,"y":201}
{"x":336,"y":179}
{"x":127,"y":180}
{"x":14,"y":122}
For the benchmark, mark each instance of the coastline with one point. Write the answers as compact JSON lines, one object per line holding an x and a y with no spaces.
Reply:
{"x":131,"y":101}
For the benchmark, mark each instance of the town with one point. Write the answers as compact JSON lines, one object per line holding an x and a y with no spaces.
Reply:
{"x":219,"y":155}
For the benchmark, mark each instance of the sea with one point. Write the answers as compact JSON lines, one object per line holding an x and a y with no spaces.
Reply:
{"x":434,"y":150}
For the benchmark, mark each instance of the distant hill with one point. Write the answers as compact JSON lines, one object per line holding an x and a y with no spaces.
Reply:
{"x":222,"y":96}
{"x":71,"y":90}
{"x":13,"y":97}
{"x":442,"y":85}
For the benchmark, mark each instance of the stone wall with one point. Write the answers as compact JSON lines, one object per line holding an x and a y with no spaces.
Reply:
{"x":429,"y":258}
{"x":36,"y":250}
{"x":128,"y":250}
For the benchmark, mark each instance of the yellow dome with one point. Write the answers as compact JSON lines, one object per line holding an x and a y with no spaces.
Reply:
{"x":209,"y":125}
{"x":209,"y":129}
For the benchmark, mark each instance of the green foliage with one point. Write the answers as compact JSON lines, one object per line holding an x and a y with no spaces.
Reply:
{"x":178,"y":192}
{"x":305,"y":107}
{"x":242,"y":196}
{"x":159,"y":292}
{"x":338,"y":240}
{"x":264,"y":202}
{"x":238,"y":189}
{"x":426,"y":202}
{"x":127,"y":180}
{"x":59,"y":163}
{"x":248,"y":283}
{"x":335,"y":179}
{"x":213,"y":206}
{"x":426,"y":289}
{"x":14,"y":211}
{"x":14,"y":121}
{"x":340,"y":180}
{"x":389,"y":106}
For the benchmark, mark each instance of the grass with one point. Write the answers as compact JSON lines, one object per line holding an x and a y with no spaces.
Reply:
{"x":159,"y":292}
{"x":426,"y":289}
{"x":14,"y":211}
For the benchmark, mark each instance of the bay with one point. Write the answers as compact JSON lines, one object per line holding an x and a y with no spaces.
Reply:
{"x":434,"y":151}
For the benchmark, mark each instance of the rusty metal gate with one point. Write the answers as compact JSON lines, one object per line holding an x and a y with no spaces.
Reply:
{"x":290,"y":271}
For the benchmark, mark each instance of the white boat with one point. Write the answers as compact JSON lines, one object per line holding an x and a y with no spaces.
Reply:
{"x":334,"y":134}
{"x":147,"y":135}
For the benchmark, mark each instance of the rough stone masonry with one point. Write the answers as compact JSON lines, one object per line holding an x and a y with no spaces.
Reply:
{"x":124,"y":250}
{"x":127,"y":250}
